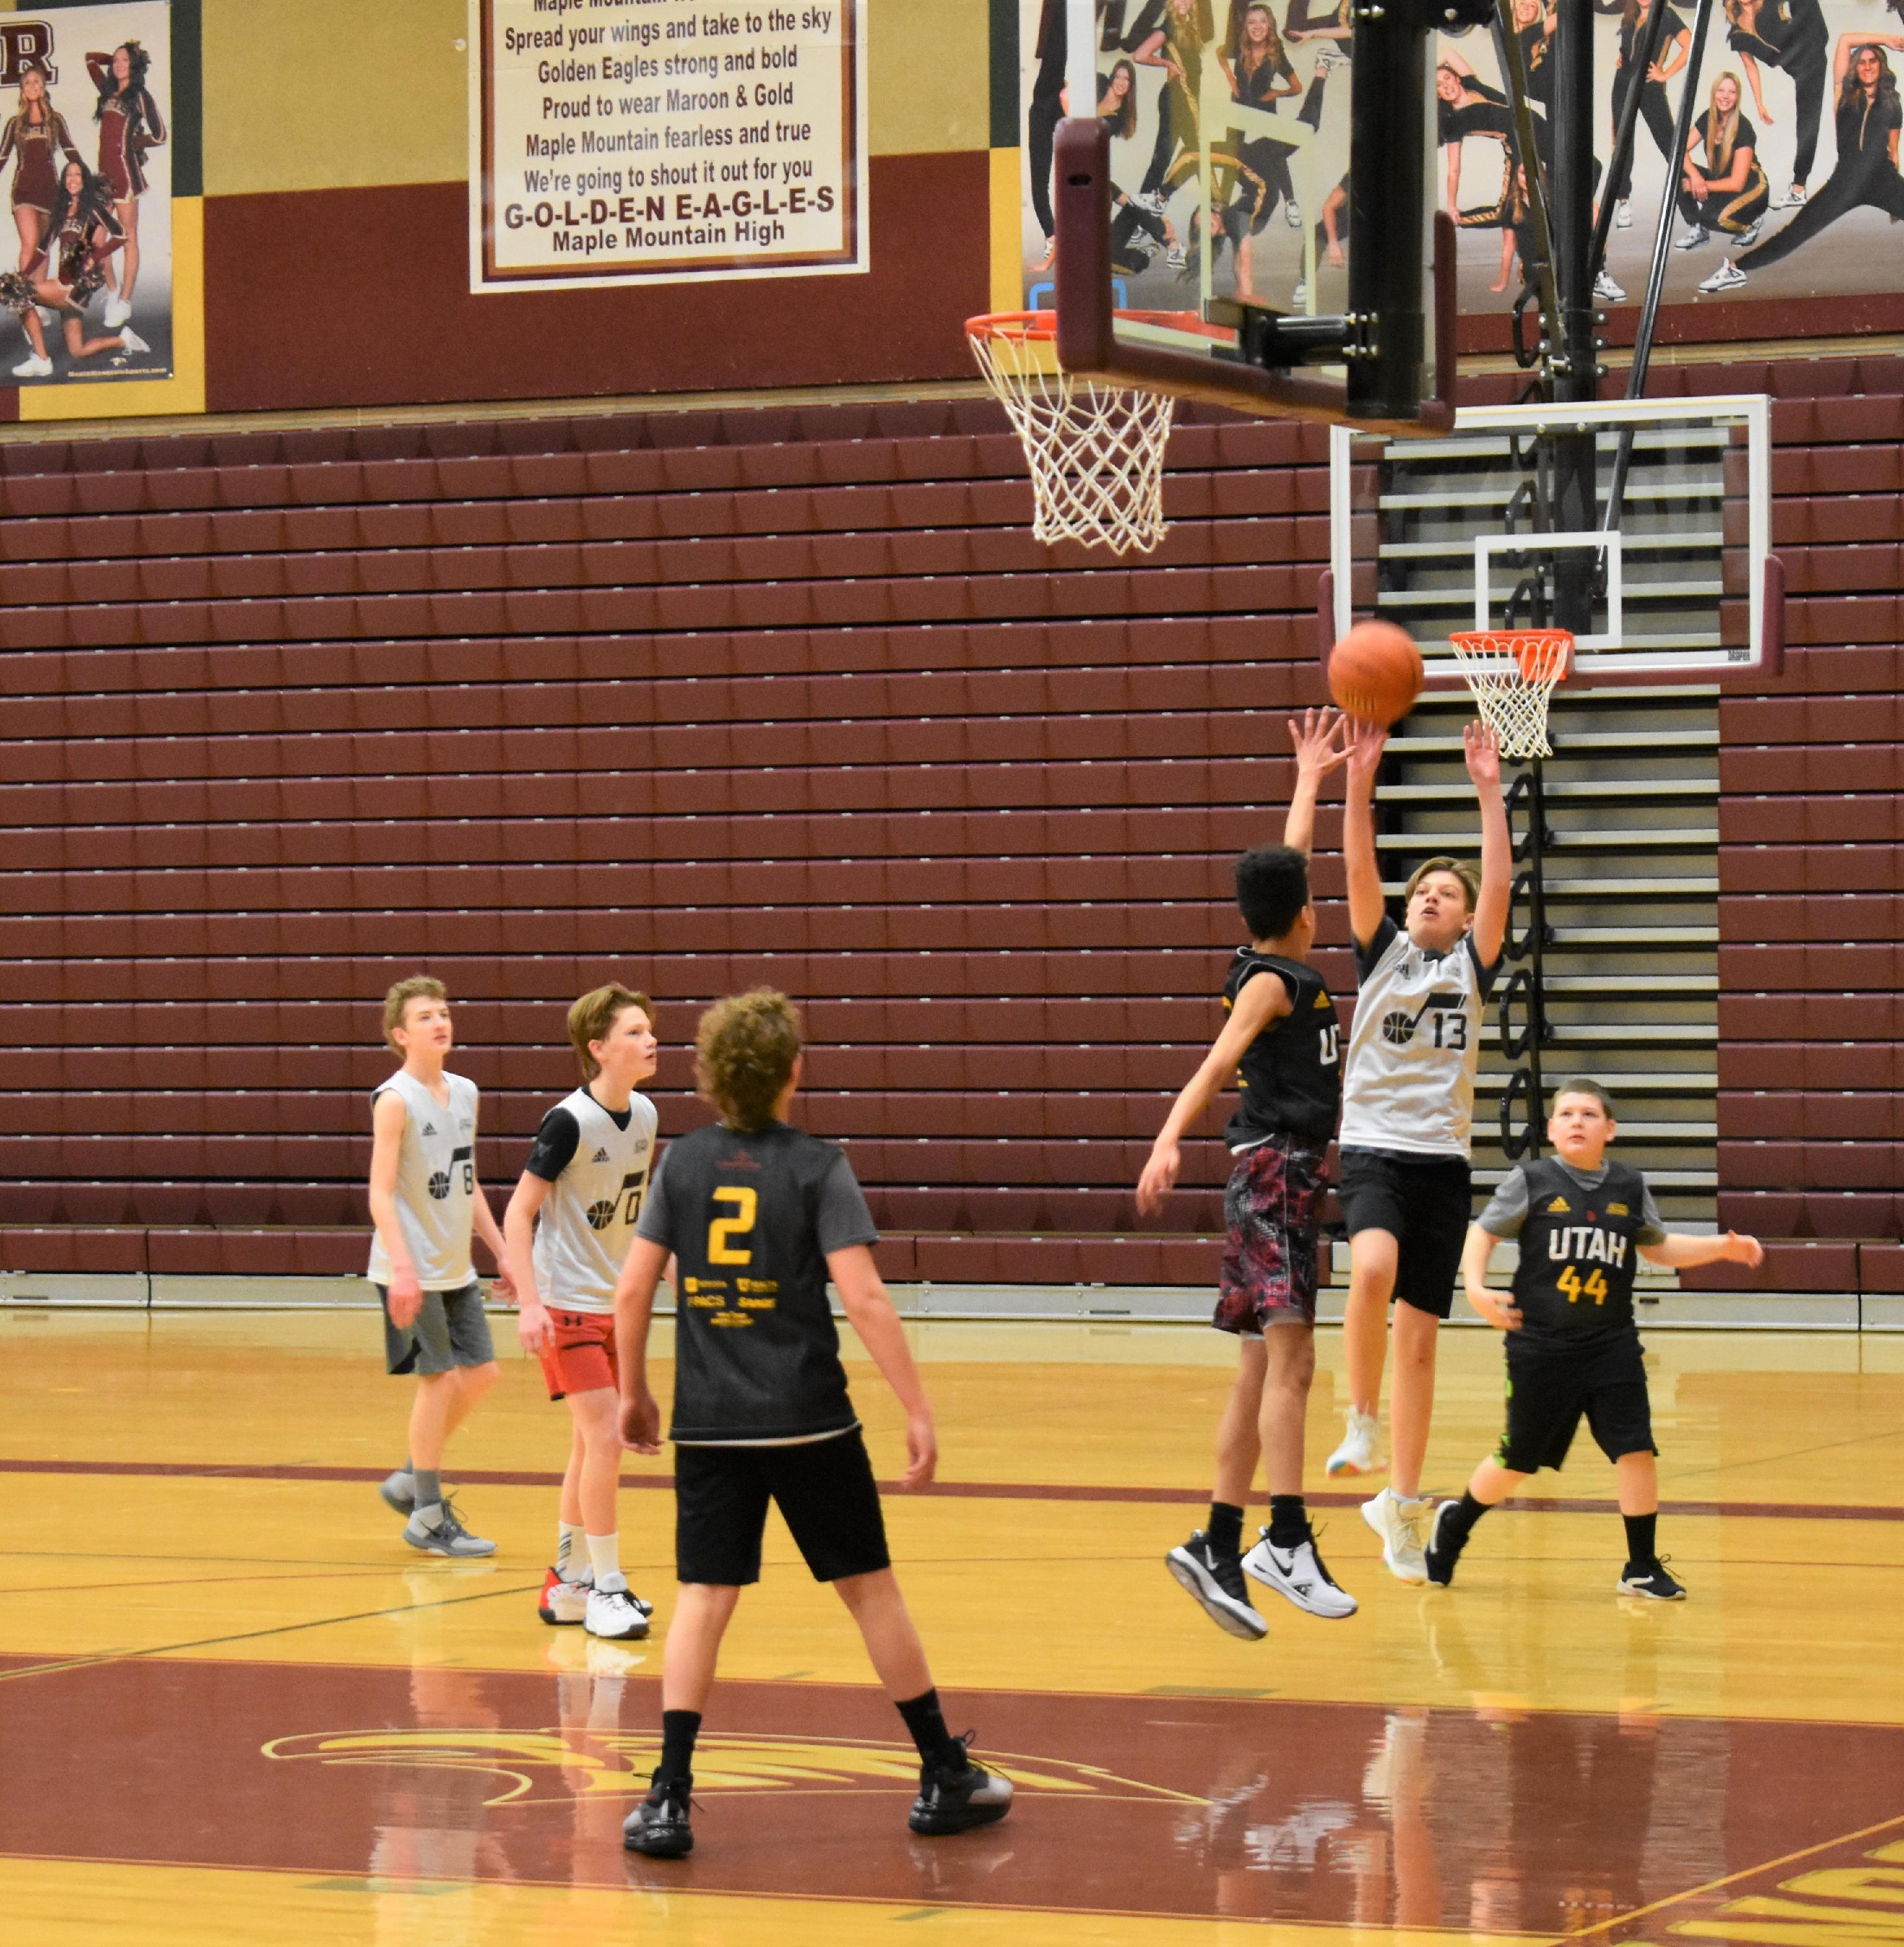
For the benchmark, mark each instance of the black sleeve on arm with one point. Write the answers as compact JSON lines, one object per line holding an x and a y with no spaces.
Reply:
{"x":554,"y":1147}
{"x":1485,"y":975}
{"x":1368,"y":957}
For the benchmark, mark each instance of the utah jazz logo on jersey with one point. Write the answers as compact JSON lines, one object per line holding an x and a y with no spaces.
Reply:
{"x":1451,"y":1024}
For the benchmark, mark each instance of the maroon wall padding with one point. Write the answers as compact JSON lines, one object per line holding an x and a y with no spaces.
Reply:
{"x":707,"y":699}
{"x":361,"y":297}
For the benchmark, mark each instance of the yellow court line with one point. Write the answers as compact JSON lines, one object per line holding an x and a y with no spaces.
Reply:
{"x":101,"y":1903}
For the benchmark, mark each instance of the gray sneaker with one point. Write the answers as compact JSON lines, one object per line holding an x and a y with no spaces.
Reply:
{"x":399,"y":1491}
{"x":447,"y":1537}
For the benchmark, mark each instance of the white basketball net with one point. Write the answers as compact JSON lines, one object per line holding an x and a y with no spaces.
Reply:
{"x":1512,"y":674}
{"x":1096,"y":452}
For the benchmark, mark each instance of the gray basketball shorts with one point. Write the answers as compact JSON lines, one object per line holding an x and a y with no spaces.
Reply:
{"x":450,"y":1330}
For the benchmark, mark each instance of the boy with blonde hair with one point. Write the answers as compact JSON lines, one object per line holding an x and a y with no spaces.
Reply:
{"x":425,"y":1201}
{"x":584,"y":1181}
{"x":758,"y":1215}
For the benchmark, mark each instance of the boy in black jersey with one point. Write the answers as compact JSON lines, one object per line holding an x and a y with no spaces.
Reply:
{"x":759,"y":1216}
{"x":1572,"y":1347}
{"x":1282,"y":1033}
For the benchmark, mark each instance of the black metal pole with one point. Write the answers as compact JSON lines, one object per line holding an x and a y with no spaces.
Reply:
{"x":1574,"y":367}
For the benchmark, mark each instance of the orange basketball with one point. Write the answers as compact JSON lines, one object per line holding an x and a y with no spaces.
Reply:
{"x":1375,"y":672}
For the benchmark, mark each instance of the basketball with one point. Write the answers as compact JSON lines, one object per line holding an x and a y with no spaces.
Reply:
{"x":1375,"y":673}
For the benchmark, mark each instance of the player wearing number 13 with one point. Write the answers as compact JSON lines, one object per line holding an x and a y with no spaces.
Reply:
{"x":584,"y":1180}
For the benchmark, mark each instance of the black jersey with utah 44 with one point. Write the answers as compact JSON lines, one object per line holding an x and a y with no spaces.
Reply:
{"x":1578,"y":1255}
{"x":1291,"y":1074}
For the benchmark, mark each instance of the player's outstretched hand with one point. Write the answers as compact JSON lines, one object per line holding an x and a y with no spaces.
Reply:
{"x":405,"y":1299}
{"x":1744,"y":1250}
{"x":534,"y":1328}
{"x":1500,"y":1310}
{"x":641,"y":1421}
{"x":1320,"y":737}
{"x":1481,"y":748}
{"x":1160,"y":1178}
{"x":1366,"y":743}
{"x":921,"y":1450}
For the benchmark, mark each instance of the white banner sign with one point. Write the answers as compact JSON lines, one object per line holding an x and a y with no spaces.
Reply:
{"x":655,"y":141}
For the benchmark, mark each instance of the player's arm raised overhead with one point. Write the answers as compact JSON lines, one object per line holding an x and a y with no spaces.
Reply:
{"x":1366,"y":909}
{"x":1263,"y":1000}
{"x":869,"y":1311}
{"x":387,"y":1120}
{"x":1320,"y":737}
{"x":1481,"y":747}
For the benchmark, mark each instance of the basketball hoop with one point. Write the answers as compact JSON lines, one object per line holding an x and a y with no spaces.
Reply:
{"x":1096,"y":451}
{"x":1512,"y":672}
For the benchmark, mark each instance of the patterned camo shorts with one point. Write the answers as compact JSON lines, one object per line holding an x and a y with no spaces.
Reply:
{"x":1270,"y":1213}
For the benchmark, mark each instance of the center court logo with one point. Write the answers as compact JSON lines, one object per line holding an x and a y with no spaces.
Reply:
{"x":541,"y":1767}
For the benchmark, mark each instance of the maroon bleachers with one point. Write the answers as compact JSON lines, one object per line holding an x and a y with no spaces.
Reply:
{"x":702,"y":700}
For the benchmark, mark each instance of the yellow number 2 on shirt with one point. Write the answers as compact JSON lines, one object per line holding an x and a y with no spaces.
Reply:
{"x":722,"y":1230}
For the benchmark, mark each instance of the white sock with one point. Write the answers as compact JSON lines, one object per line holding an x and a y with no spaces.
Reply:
{"x":605,"y":1555}
{"x":568,"y":1533}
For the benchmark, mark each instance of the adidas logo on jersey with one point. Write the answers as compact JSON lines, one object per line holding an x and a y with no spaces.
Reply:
{"x":429,"y":1128}
{"x":601,"y":1156}
{"x":1559,"y":1207}
{"x":1617,"y":1210}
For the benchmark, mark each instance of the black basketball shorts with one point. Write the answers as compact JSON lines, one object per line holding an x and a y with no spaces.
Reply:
{"x":1550,"y":1385}
{"x":824,"y":1488}
{"x":1424,"y":1203}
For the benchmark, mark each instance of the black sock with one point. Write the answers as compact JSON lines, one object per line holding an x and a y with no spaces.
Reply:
{"x":1457,"y":1526}
{"x":1225,"y":1531}
{"x":926,"y":1722}
{"x":1289,"y":1520}
{"x":1640,"y":1532}
{"x":679,"y":1730}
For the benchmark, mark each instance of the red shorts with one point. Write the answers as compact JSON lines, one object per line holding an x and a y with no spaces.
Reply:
{"x":581,"y":1359}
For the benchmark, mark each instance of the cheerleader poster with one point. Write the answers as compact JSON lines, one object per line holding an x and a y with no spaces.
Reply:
{"x":85,"y":116}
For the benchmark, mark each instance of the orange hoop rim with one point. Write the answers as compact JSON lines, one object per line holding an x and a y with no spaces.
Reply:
{"x":1034,"y":326}
{"x":1543,"y":655}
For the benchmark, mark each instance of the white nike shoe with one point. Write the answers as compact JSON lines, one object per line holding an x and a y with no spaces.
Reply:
{"x":1728,"y":277}
{"x":35,"y":368}
{"x":1623,"y":214}
{"x":1403,"y":1526}
{"x":1693,"y":238}
{"x":132,"y":340}
{"x":1359,"y":1452}
{"x":614,"y":1614}
{"x":117,"y":312}
{"x":1606,"y":290}
{"x":1299,"y":1574}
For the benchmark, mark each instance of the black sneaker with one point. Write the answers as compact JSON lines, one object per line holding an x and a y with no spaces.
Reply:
{"x":658,"y":1826}
{"x":1215,"y":1580}
{"x":955,"y":1797}
{"x":1651,"y":1579}
{"x":1442,"y":1551}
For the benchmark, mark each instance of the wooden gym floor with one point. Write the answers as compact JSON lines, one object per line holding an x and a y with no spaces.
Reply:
{"x":233,"y":1706}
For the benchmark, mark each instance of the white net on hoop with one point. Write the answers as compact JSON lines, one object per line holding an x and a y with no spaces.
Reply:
{"x":1095,"y":451}
{"x":1512,"y":674}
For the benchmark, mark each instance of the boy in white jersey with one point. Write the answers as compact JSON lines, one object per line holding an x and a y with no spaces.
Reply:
{"x":586,"y":1178}
{"x":1408,"y":1108}
{"x":424,"y":1201}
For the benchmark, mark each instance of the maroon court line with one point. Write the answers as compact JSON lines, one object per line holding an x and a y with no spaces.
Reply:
{"x":977,"y":1491}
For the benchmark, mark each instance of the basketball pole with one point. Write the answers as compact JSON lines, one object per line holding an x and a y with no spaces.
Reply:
{"x":1081,"y":58}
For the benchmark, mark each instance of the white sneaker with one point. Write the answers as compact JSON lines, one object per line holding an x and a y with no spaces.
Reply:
{"x":1151,"y":199}
{"x":1293,"y":215}
{"x":1794,"y":198}
{"x":1174,"y":256}
{"x":1299,"y":297}
{"x":615,"y":1613}
{"x":1358,"y":1454}
{"x":562,"y":1601}
{"x":1403,"y":1526}
{"x":131,"y":339}
{"x":117,"y":310}
{"x":1299,"y":1574}
{"x":1728,"y":277}
{"x":1604,"y":287}
{"x":1751,"y":235}
{"x":34,"y":368}
{"x":1693,"y":238}
{"x":1623,"y":214}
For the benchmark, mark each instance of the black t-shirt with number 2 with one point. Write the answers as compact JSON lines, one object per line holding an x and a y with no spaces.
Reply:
{"x":750,"y":1217}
